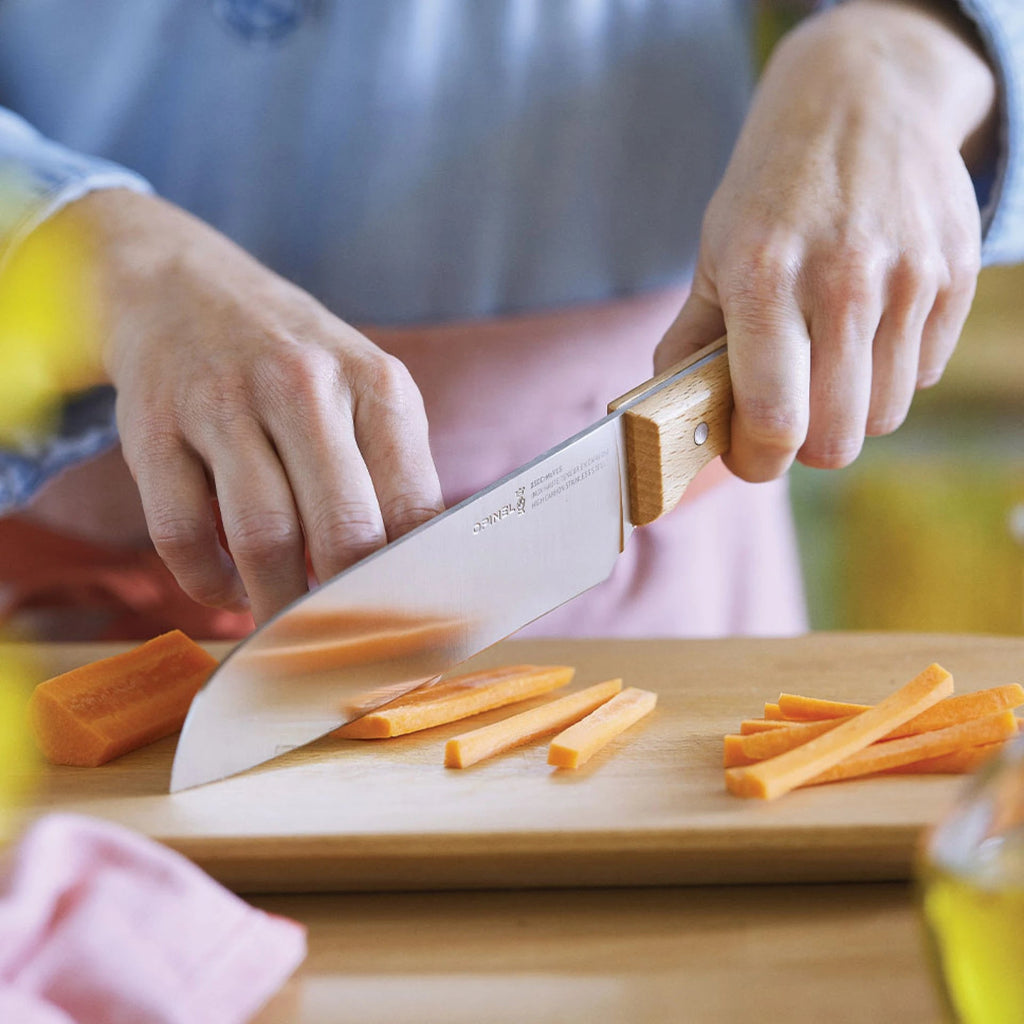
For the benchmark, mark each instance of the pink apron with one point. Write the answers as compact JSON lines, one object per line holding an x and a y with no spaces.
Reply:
{"x":497,"y":394}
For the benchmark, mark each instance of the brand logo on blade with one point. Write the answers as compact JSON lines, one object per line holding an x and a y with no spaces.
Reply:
{"x":513,"y":508}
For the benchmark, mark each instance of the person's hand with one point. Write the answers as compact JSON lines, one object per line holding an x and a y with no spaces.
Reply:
{"x":236,"y":387}
{"x":841,"y":250}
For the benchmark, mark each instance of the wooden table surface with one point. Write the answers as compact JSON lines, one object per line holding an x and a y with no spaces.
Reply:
{"x":847,"y":954}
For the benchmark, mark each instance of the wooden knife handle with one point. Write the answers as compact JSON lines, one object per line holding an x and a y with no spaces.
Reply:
{"x":673,"y":431}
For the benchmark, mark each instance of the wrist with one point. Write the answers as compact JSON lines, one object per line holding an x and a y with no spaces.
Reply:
{"x":923,"y":55}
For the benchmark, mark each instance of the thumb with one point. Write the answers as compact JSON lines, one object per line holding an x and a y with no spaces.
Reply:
{"x":699,"y":323}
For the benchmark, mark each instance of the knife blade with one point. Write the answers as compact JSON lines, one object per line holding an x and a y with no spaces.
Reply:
{"x":462,"y":581}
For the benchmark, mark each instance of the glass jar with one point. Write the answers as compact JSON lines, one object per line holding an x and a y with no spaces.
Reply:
{"x":971,"y":884}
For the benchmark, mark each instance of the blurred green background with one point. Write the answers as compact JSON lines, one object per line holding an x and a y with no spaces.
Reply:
{"x":925,"y":531}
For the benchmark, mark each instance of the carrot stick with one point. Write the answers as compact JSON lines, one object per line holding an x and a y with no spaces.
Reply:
{"x":797,"y":708}
{"x":953,"y":709}
{"x":893,"y":753}
{"x":751,"y":725}
{"x":471,"y":747}
{"x":733,"y":753}
{"x":773,"y":713}
{"x":957,"y":762}
{"x":92,"y":714}
{"x":372,"y":641}
{"x":759,"y":746}
{"x":581,"y":741}
{"x":456,"y":697}
{"x":777,"y":775}
{"x":962,"y":708}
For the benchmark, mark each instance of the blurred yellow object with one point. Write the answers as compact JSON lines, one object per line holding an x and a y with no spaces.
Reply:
{"x":19,"y":759}
{"x":49,"y":327}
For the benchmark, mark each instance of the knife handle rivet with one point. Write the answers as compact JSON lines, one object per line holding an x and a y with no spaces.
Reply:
{"x":700,"y":435}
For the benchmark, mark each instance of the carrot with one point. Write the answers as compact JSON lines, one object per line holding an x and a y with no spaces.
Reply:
{"x":456,"y":697}
{"x":577,"y":744}
{"x":962,"y":708}
{"x":741,"y":749}
{"x":366,"y":639}
{"x":778,"y":775}
{"x":773,"y":713}
{"x":880,"y":757}
{"x":797,"y":708}
{"x":957,"y":762}
{"x":752,"y":725}
{"x":954,"y":709}
{"x":733,"y":753}
{"x":471,"y":747}
{"x":92,"y":714}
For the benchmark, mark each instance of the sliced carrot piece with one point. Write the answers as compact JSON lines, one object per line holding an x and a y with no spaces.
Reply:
{"x":99,"y":711}
{"x":962,"y":708}
{"x":581,"y":741}
{"x":741,"y":750}
{"x":733,"y":753}
{"x":777,"y":775}
{"x":798,"y":708}
{"x":949,"y":711}
{"x":880,"y":757}
{"x":773,"y":713}
{"x":471,"y":747}
{"x":751,"y":725}
{"x":956,"y":762}
{"x":370,"y":640}
{"x":456,"y":697}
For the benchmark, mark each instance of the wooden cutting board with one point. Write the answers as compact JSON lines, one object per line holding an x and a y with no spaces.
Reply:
{"x":650,"y":810}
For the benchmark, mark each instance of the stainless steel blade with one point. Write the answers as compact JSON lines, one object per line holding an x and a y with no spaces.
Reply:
{"x":454,"y":586}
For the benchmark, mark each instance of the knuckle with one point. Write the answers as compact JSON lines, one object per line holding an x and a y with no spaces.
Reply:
{"x":765,"y":268}
{"x":176,"y":536}
{"x":848,"y":285}
{"x":774,"y":427}
{"x":347,"y":531}
{"x":295,"y":375}
{"x":834,"y":451}
{"x":382,"y":374}
{"x":913,"y":275}
{"x":407,"y":511}
{"x":963,"y":266}
{"x":259,"y":536}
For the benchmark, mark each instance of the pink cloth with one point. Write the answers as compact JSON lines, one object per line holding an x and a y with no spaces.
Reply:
{"x":99,"y":925}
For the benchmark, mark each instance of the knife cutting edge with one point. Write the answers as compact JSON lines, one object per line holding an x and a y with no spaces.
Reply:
{"x":462,"y":581}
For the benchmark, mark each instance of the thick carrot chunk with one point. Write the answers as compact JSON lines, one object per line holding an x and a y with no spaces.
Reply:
{"x":471,"y":747}
{"x":451,"y":699}
{"x":92,"y":714}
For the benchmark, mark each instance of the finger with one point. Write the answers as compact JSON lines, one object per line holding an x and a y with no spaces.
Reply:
{"x":700,"y":322}
{"x":847,"y":310}
{"x":182,"y":524}
{"x":896,"y":347}
{"x":260,"y":520}
{"x":391,"y":428}
{"x":342,"y":506}
{"x":945,"y":322}
{"x":769,"y":362}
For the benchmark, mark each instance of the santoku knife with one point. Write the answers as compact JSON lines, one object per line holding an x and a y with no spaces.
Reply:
{"x":462,"y":581}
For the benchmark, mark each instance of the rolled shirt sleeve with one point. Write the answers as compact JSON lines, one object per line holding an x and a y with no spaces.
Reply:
{"x":38,"y":177}
{"x":1000,"y":25}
